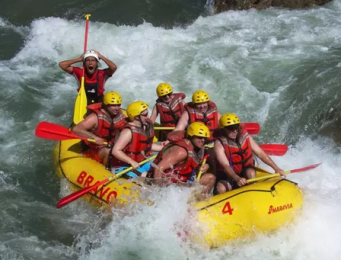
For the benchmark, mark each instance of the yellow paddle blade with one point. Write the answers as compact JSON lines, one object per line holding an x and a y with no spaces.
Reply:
{"x":80,"y":105}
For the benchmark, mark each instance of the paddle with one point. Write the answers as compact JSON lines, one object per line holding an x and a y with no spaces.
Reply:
{"x":310,"y":167}
{"x":56,"y":132}
{"x":269,"y":149}
{"x":274,"y":149}
{"x":73,"y":196}
{"x":252,"y":128}
{"x":81,"y":100}
{"x":202,"y":165}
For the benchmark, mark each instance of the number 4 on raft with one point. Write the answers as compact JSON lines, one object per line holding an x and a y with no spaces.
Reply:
{"x":227,"y":208}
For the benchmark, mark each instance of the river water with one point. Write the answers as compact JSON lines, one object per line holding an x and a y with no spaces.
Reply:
{"x":277,"y":67}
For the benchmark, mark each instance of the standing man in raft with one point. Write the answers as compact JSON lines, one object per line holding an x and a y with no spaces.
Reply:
{"x":94,"y":78}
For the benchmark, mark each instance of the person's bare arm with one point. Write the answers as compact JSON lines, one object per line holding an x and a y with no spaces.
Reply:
{"x":183,"y":122}
{"x":154,"y":114}
{"x":66,"y":64}
{"x":84,"y":128}
{"x":219,"y":115}
{"x":122,"y":141}
{"x":157,"y":147}
{"x":177,"y":155}
{"x":112,"y":66}
{"x":264,"y":157}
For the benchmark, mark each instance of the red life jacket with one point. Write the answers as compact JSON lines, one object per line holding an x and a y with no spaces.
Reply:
{"x":171,"y":113}
{"x":183,"y":171}
{"x":107,"y":127}
{"x":210,"y":118}
{"x":141,"y":141}
{"x":238,"y":153}
{"x":94,"y":87}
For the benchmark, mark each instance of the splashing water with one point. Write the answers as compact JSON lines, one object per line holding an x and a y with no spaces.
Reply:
{"x":276,"y":67}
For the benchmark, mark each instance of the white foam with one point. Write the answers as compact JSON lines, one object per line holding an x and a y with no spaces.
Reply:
{"x":246,"y":61}
{"x":151,"y":232}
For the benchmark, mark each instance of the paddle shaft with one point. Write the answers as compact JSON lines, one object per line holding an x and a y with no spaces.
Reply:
{"x":286,"y":172}
{"x":73,"y":196}
{"x":252,"y":128}
{"x":81,"y":100}
{"x":87,"y":16}
{"x":202,"y":165}
{"x":57,"y":132}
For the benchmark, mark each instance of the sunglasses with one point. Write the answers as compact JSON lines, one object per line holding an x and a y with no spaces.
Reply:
{"x":168,"y":95}
{"x":232,"y":127}
{"x":199,"y":137}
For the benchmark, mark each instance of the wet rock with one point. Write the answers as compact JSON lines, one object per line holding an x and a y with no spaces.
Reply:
{"x":225,"y":5}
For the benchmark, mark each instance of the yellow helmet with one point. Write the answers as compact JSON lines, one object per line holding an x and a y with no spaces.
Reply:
{"x":112,"y":98}
{"x":198,"y":129}
{"x":228,"y":119}
{"x":164,"y":89}
{"x":200,"y":96}
{"x":135,"y":109}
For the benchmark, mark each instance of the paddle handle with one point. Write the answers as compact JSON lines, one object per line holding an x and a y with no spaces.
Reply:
{"x":265,"y":177}
{"x":202,"y":165}
{"x":94,"y":141}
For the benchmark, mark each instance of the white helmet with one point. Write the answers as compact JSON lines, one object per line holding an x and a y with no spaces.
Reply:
{"x":90,"y":53}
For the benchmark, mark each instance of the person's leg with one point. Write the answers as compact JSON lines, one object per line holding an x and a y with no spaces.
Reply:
{"x":208,"y":181}
{"x":249,"y":173}
{"x":223,"y":186}
{"x":104,"y":155}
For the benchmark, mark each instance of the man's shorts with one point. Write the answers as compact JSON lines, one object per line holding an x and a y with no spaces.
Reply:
{"x":143,"y":168}
{"x":232,"y":182}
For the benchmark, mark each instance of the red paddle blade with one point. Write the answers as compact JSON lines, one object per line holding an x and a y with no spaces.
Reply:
{"x":305,"y":168}
{"x":73,"y":196}
{"x":52,"y":131}
{"x":274,"y":149}
{"x":252,"y":128}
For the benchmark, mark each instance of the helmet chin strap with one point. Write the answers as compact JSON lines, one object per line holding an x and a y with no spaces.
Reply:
{"x":196,"y":149}
{"x":140,"y":120}
{"x":190,"y":139}
{"x":105,"y":107}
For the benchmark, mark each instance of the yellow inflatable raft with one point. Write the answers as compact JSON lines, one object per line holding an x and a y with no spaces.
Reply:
{"x":83,"y":172}
{"x":258,"y":207}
